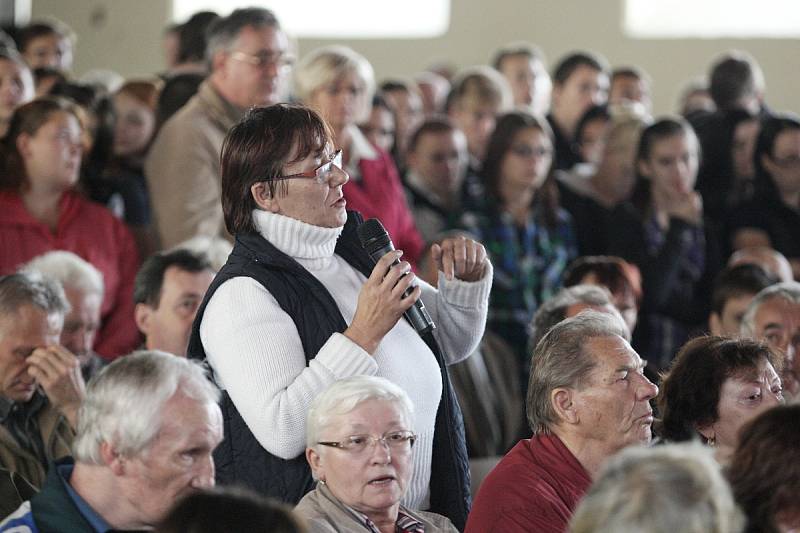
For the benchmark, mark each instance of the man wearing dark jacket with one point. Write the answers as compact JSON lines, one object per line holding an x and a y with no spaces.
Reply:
{"x":147,"y":429}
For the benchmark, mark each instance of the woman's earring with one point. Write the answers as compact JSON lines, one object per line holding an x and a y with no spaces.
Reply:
{"x":712,"y":441}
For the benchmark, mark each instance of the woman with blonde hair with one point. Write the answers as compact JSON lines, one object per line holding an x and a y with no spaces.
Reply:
{"x":339,"y":84}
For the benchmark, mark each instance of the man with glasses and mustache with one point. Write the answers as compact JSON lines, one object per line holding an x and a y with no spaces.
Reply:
{"x":249,"y":62}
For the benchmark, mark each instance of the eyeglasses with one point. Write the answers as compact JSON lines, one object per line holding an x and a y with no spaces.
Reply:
{"x":528,"y":152}
{"x":397,"y":441}
{"x":322,"y":173}
{"x":787,"y":162}
{"x":263,"y":59}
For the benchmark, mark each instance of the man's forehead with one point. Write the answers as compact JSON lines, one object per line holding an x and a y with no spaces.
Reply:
{"x":778,"y":310}
{"x":31,"y":329}
{"x":267,"y":37}
{"x":182,"y":416}
{"x":438,"y":139}
{"x":613,"y":351}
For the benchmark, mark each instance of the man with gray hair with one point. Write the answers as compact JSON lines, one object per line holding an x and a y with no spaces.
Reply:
{"x":83,"y":287}
{"x":41,"y":387}
{"x":588,"y":398}
{"x":774,"y":317}
{"x":145,"y":438}
{"x":249,"y":63}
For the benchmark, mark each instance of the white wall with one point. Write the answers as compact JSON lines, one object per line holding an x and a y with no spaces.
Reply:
{"x":125,"y":35}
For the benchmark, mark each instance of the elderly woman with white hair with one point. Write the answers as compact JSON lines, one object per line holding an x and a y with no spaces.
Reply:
{"x":339,"y":83}
{"x":359,"y":438}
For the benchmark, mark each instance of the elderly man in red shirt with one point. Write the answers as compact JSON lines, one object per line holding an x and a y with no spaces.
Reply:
{"x":588,"y":398}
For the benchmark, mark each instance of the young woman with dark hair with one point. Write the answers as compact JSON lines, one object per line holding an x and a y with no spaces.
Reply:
{"x":663,"y":232}
{"x":529,"y":238}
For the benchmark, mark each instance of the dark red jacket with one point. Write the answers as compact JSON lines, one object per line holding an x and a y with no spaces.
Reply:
{"x":535,"y":487}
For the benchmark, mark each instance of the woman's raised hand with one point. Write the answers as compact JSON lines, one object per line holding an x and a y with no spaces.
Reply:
{"x":460,"y":257}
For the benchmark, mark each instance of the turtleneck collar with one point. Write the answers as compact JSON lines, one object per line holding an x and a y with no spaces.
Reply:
{"x":311,"y":246}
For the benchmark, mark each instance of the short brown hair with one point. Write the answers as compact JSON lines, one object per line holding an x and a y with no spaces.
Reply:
{"x":518,"y":48}
{"x":765,"y":469}
{"x":614,"y":273}
{"x":690,"y":390}
{"x":435,"y":125}
{"x":143,"y":91}
{"x":257,"y":148}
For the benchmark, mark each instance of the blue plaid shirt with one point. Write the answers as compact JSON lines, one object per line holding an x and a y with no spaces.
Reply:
{"x":529,"y":262}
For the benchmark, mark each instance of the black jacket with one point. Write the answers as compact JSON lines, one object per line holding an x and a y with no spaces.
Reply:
{"x":240,"y":458}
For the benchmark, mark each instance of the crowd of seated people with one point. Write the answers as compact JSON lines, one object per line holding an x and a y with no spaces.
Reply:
{"x":567,"y":249}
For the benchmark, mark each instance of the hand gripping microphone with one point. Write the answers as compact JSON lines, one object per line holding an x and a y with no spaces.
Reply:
{"x":376,"y":242}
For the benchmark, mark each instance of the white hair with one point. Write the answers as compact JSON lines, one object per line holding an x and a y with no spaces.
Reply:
{"x":347,"y":394}
{"x":215,"y":249}
{"x":69,"y":270}
{"x":664,"y":489}
{"x":788,"y":291}
{"x":325,"y":65}
{"x":125,"y":400}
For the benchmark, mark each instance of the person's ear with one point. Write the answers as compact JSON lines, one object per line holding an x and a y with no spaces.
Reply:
{"x":112,"y":459}
{"x":563,"y":401}
{"x":315,"y":462}
{"x":142,"y":314}
{"x":412,"y":159}
{"x":23,"y":144}
{"x":218,"y":61}
{"x":644,"y":168}
{"x":714,"y":323}
{"x":555,"y":93}
{"x":263,"y":198}
{"x":455,"y":111}
{"x":767,"y":163}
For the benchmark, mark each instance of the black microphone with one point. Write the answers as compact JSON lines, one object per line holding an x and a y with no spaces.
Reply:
{"x":377,"y":243}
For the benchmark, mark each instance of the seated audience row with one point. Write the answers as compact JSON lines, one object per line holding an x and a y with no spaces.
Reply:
{"x":299,"y":306}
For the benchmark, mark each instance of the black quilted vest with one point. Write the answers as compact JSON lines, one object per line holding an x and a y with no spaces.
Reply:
{"x":240,"y":459}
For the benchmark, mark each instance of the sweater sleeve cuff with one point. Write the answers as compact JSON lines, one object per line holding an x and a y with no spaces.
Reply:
{"x":344,"y":358}
{"x":467,"y":293}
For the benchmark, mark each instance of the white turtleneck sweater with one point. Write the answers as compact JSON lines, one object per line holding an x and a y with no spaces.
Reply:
{"x":256,"y":354}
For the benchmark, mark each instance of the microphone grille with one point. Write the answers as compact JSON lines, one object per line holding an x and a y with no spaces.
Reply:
{"x":372,"y":232}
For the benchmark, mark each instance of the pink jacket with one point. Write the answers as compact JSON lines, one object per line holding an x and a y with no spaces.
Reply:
{"x":90,"y":231}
